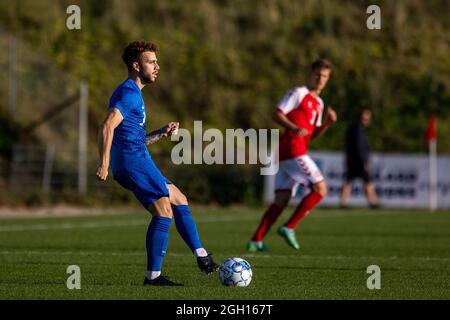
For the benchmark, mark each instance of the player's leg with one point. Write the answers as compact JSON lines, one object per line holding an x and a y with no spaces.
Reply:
{"x":282,"y":198}
{"x":318,"y":192}
{"x":283,"y":191}
{"x":345,"y":193}
{"x":157,"y":239}
{"x":187,"y":228}
{"x":149,"y":187}
{"x":183,"y":220}
{"x":305,"y":172}
{"x":371,"y":194}
{"x":369,"y":190}
{"x":353,"y":171}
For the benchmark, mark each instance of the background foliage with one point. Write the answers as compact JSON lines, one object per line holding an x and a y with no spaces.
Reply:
{"x":228,"y":63}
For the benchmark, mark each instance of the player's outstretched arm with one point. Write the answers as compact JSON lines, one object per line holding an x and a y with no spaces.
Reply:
{"x":170,"y":129}
{"x":105,"y":137}
{"x":329,"y":120}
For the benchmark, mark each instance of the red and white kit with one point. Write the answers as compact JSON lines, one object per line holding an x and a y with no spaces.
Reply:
{"x":296,"y":167}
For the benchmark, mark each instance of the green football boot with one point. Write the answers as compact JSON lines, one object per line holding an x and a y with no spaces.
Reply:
{"x":289,"y":236}
{"x":253,"y":246}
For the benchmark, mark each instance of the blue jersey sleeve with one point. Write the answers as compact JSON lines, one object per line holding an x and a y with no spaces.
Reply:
{"x":125,"y":101}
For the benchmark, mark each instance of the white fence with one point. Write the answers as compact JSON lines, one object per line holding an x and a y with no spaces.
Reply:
{"x":401,"y":180}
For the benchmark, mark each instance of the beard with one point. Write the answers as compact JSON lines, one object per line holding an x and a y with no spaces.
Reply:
{"x":146,"y":78}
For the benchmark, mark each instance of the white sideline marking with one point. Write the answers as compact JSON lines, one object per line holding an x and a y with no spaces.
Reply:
{"x":206,"y":219}
{"x":61,"y":226}
{"x":124,"y":223}
{"x":268,"y":256}
{"x":256,"y":256}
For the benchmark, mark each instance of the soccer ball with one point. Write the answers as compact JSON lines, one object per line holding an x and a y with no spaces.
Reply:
{"x":235,"y":272}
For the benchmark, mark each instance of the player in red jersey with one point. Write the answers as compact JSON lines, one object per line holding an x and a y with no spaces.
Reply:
{"x":300,"y":113}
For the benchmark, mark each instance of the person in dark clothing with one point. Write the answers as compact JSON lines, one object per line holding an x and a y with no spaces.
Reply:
{"x":357,"y":154}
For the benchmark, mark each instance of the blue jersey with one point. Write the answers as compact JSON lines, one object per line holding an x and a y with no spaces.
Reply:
{"x":129,"y":136}
{"x":131,"y":163}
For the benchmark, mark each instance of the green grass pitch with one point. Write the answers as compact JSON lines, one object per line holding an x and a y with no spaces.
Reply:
{"x":412,"y":248}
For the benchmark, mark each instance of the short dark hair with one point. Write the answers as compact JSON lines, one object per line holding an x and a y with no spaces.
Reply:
{"x":134,"y":49}
{"x":321,"y":64}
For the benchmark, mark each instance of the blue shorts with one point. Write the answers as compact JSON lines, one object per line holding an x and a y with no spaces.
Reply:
{"x":142,"y":177}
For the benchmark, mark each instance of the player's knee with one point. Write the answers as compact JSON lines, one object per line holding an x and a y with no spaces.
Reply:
{"x":162,"y":208}
{"x":165,"y":211}
{"x":176,"y":197}
{"x":180,"y":199}
{"x":321,"y":188}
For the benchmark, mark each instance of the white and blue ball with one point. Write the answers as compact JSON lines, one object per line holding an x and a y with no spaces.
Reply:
{"x":235,"y":272}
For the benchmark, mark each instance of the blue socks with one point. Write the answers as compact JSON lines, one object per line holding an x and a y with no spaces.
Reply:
{"x":157,"y":241}
{"x":158,"y":236}
{"x":186,"y":227}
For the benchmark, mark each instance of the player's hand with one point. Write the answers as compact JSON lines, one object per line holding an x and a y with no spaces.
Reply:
{"x":301,"y":132}
{"x":331,"y":116}
{"x":171,"y":128}
{"x":102,"y":172}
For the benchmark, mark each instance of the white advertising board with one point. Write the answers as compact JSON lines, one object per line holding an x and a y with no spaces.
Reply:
{"x":401,"y":180}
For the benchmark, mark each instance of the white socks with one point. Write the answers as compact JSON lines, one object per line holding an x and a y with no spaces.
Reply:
{"x":153,"y":274}
{"x":200,"y":252}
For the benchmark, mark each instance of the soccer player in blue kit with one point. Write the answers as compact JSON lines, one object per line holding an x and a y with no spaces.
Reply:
{"x":123,"y":143}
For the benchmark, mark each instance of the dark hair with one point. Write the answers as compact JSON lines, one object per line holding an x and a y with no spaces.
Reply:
{"x":321,"y":64}
{"x":134,"y":49}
